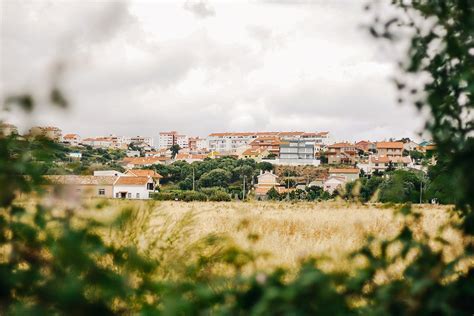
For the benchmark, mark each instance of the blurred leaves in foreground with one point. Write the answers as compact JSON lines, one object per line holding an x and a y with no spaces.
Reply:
{"x":62,"y":263}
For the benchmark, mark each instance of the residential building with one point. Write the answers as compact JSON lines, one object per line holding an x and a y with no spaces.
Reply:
{"x":72,"y":139}
{"x":270,"y":143}
{"x":265,"y":181}
{"x":296,"y":152}
{"x":382,"y":163}
{"x":408,"y":144}
{"x":350,"y":174}
{"x":133,"y":187}
{"x":195,"y":143}
{"x":132,"y":153}
{"x":145,"y":140}
{"x":50,"y":132}
{"x":111,"y":141}
{"x":365,"y":146}
{"x":341,"y":154}
{"x":255,"y":154}
{"x":333,"y":183}
{"x":145,"y":173}
{"x":76,"y":156}
{"x":7,"y":129}
{"x":139,"y":162}
{"x":389,"y":149}
{"x":108,"y":173}
{"x":168,"y":139}
{"x":190,"y":158}
{"x":78,"y":186}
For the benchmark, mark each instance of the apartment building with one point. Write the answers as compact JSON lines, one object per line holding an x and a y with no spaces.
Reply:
{"x":51,"y":132}
{"x":111,"y":141}
{"x":297,"y":152}
{"x":168,"y":139}
{"x":227,"y":142}
{"x":270,"y":143}
{"x":195,"y":143}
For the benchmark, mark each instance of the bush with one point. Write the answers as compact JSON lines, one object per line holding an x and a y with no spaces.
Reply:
{"x":189,"y":196}
{"x":219,"y":196}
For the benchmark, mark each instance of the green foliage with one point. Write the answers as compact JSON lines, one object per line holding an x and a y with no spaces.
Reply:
{"x":401,"y":186}
{"x":273,"y":194}
{"x":215,"y":178}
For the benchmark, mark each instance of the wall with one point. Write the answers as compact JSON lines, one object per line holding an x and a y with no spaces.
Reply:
{"x":133,"y":189}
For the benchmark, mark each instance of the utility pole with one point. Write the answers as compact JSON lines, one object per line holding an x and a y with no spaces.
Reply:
{"x":243,"y":192}
{"x":421,"y":189}
{"x":193,"y":178}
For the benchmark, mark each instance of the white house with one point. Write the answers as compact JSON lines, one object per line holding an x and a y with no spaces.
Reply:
{"x":130,"y":187}
{"x":75,"y":155}
{"x":350,"y":174}
{"x":333,"y":182}
{"x":107,"y":173}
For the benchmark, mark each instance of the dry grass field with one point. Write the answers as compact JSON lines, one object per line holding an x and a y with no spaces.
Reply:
{"x":287,"y":232}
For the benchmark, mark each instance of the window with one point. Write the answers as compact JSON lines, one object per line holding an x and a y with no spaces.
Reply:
{"x":101,"y":191}
{"x":117,"y":195}
{"x":129,"y":195}
{"x":149,"y":186}
{"x":138,"y":195}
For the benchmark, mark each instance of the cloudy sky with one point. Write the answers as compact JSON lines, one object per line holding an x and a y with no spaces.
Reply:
{"x":140,"y":67}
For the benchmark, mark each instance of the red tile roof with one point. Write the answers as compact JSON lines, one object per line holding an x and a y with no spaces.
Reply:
{"x":132,"y":180}
{"x":389,"y":145}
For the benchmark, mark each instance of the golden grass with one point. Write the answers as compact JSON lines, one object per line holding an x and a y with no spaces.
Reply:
{"x":291,"y":232}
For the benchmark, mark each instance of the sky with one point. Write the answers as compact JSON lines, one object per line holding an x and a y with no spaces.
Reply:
{"x":141,"y":67}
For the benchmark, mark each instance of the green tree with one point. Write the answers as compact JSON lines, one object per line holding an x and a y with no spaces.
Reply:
{"x":174,"y":150}
{"x":215,"y":178}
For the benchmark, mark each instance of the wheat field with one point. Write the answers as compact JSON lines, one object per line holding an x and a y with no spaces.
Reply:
{"x":287,"y":232}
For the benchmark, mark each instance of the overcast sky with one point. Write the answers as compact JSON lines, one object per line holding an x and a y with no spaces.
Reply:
{"x":140,"y":67}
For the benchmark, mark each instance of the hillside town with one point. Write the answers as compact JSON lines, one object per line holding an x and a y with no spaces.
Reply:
{"x":336,"y":163}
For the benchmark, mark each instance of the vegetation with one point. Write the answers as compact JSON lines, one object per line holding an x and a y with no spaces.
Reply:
{"x":54,"y":262}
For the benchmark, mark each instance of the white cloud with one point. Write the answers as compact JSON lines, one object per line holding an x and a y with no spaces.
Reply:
{"x":141,"y":67}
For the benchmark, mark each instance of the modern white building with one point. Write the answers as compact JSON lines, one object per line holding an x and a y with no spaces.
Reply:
{"x":168,"y":139}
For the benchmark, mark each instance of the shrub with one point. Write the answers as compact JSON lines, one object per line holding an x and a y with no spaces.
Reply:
{"x":219,"y":196}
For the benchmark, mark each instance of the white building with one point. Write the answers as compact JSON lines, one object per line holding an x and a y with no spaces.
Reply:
{"x":168,"y":139}
{"x":130,"y":187}
{"x":147,"y":140}
{"x":333,"y":183}
{"x":107,"y":173}
{"x":72,"y":139}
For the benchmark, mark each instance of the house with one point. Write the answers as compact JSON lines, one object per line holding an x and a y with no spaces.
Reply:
{"x":389,"y":149}
{"x":408,"y":144}
{"x":75,"y":156}
{"x":132,"y":153}
{"x":190,"y":158}
{"x":142,"y":140}
{"x":333,"y":183}
{"x":133,"y":187}
{"x":72,"y":139}
{"x":145,"y":173}
{"x":109,"y":173}
{"x":269,"y":143}
{"x":350,"y":174}
{"x":382,"y":163}
{"x":365,"y":146}
{"x":77,"y":186}
{"x":139,"y":162}
{"x":341,"y":154}
{"x":255,"y":154}
{"x":265,"y":181}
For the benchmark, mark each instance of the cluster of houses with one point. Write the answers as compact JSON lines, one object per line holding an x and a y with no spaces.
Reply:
{"x":346,"y":160}
{"x":132,"y":184}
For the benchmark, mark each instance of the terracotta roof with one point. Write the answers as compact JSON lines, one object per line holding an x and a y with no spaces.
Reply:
{"x":344,"y":170}
{"x":341,"y":145}
{"x":70,"y":136}
{"x":387,"y":145}
{"x":144,"y":172}
{"x":132,"y":180}
{"x":143,"y":160}
{"x":81,"y":180}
